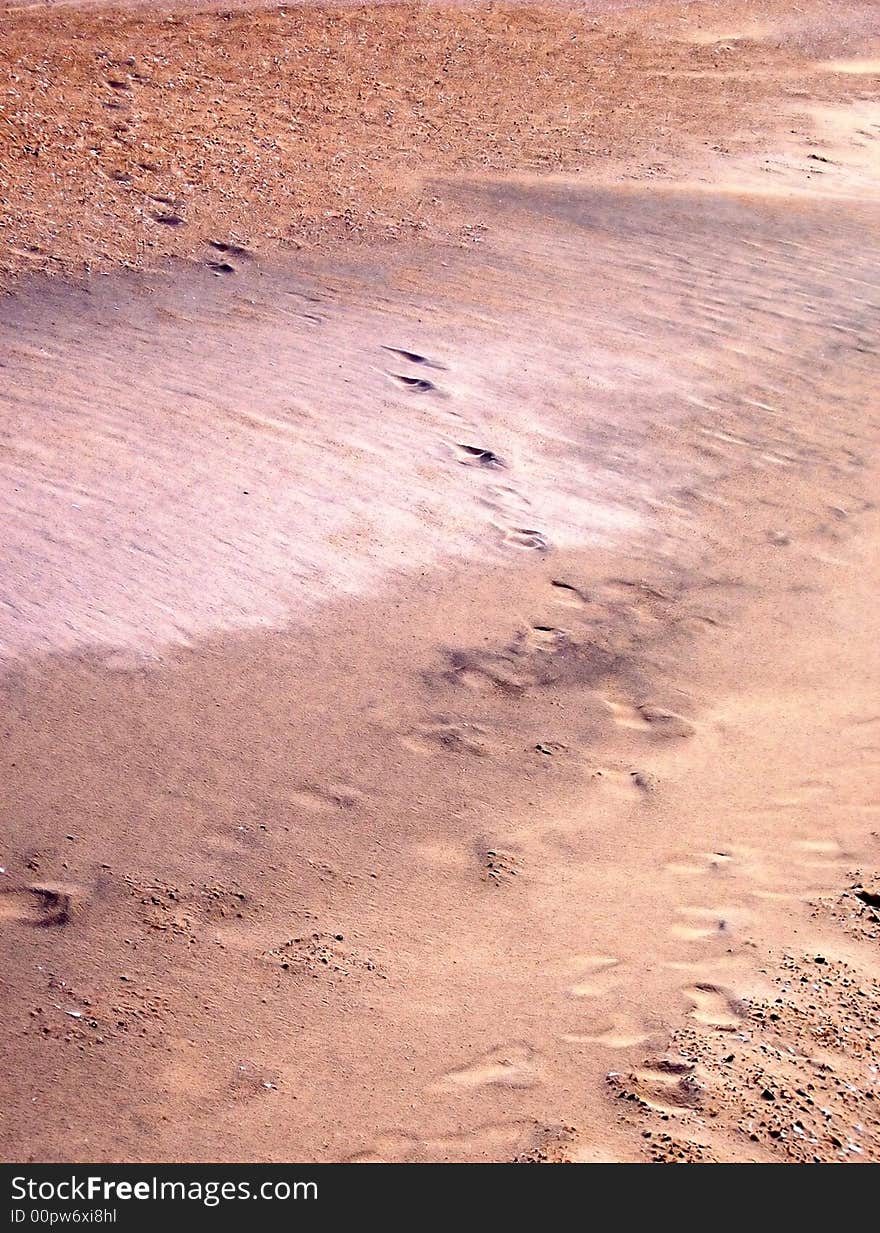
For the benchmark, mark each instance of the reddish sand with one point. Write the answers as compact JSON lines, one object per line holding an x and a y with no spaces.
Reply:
{"x":128,"y":137}
{"x":440,"y":662}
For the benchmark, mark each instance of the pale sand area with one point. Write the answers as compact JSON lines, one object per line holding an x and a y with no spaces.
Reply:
{"x":440,"y":694}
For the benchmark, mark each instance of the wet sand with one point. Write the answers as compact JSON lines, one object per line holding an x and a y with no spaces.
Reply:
{"x":440,"y":673}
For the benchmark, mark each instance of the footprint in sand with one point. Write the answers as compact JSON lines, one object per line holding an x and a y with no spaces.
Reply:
{"x":704,"y":924}
{"x":499,"y":864}
{"x":525,"y":537}
{"x":42,"y":905}
{"x":512,"y":1065}
{"x":229,"y":248}
{"x":329,"y":796}
{"x":416,"y":385}
{"x":823,"y":854}
{"x":412,"y":357}
{"x":456,"y":738}
{"x":568,"y":595}
{"x":647,"y":717}
{"x":492,"y":1140}
{"x":481,"y":672}
{"x":235,"y":841}
{"x":701,"y":863}
{"x":714,"y":1007}
{"x":220,"y":268}
{"x":593,"y":983}
{"x":478,"y":456}
{"x":663,"y":1085}
{"x":629,"y":785}
{"x":620,"y":1032}
{"x":542,"y":638}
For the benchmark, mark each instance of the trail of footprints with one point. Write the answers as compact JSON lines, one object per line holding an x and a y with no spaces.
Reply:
{"x":513,"y":522}
{"x":607,"y":640}
{"x":513,"y":1065}
{"x":670,"y":1086}
{"x":660,"y":1084}
{"x":708,"y":935}
{"x":534,"y":657}
{"x":667,"y":1085}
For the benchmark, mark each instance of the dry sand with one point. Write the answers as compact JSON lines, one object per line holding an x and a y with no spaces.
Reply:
{"x":439,"y":632}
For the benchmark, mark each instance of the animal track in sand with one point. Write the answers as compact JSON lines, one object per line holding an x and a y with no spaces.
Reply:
{"x":480,"y":671}
{"x":568,"y":594}
{"x":550,"y":749}
{"x":235,"y":841}
{"x":505,"y":501}
{"x":807,"y":792}
{"x":476,"y":455}
{"x":755,"y":31}
{"x":822,"y":859}
{"x":229,"y":248}
{"x":858,"y":66}
{"x":828,"y":850}
{"x":537,"y":656}
{"x":703,"y":924}
{"x":663,"y":1085}
{"x":647,"y":717}
{"x":620,"y":1032}
{"x":626,"y":715}
{"x":525,"y":537}
{"x":628,"y":785}
{"x":418,"y":385}
{"x":699,"y":863}
{"x":413,"y":357}
{"x":493,"y":1139}
{"x":513,"y":1065}
{"x":768,"y":874}
{"x":460,"y":738}
{"x":594,"y":984}
{"x":40,"y":904}
{"x":715,"y":969}
{"x":633,"y":604}
{"x":543,"y":636}
{"x":536,"y":644}
{"x":182,"y":910}
{"x":714,"y":1007}
{"x":500,"y":865}
{"x":331,"y":796}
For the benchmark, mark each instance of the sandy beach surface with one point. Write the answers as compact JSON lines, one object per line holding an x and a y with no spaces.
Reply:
{"x":439,"y":627}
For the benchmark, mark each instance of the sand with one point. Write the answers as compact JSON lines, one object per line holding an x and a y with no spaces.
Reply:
{"x":438,"y":628}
